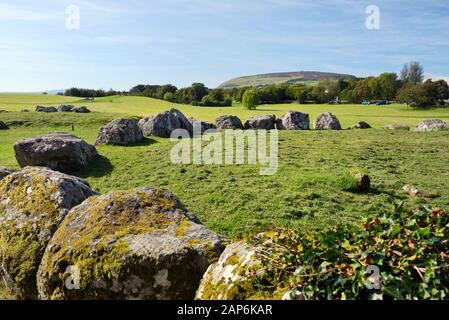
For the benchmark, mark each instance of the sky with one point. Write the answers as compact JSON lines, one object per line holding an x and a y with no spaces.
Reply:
{"x":123,"y":43}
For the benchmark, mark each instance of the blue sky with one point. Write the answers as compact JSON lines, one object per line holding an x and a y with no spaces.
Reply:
{"x":122,"y":43}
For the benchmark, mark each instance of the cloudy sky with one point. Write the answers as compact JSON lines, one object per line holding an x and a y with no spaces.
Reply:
{"x":122,"y":43}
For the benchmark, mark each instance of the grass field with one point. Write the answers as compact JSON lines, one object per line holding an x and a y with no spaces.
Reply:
{"x":306,"y":192}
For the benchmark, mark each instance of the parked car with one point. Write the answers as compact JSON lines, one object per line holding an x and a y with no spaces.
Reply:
{"x":366,"y":102}
{"x":381,"y":102}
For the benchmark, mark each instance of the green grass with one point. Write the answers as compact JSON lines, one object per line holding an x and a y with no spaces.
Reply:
{"x":377,"y":116}
{"x":308,"y":189}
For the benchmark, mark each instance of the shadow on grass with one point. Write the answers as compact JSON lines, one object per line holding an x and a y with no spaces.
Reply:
{"x":99,"y":167}
{"x":145,"y":142}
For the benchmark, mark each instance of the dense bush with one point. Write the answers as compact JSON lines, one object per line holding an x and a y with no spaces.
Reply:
{"x":411,"y":251}
{"x":251,"y":99}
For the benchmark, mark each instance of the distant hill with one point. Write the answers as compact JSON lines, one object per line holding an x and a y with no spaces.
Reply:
{"x":282,"y":77}
{"x":36,"y":92}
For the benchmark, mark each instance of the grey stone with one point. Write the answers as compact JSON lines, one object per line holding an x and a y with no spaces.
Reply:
{"x":5,"y":172}
{"x":361,"y":125}
{"x":58,"y":151}
{"x":157,"y":248}
{"x":122,"y":132}
{"x":228,"y":122}
{"x":81,"y":110}
{"x":432,"y":125}
{"x":293,"y":120}
{"x":46,"y":109}
{"x":327,"y":121}
{"x":266,"y":122}
{"x":33,"y":203}
{"x":65,"y":108}
{"x":163,"y":124}
{"x":3,"y":126}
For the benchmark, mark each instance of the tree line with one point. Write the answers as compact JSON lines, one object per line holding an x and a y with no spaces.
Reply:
{"x":407,"y":87}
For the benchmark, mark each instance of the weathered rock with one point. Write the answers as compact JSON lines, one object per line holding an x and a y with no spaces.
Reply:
{"x":411,"y":190}
{"x":46,"y":109}
{"x":33,"y":202}
{"x":163,"y":124}
{"x":233,"y":276}
{"x":363,"y":181}
{"x":361,"y":125}
{"x":398,"y":127}
{"x":138,"y":244}
{"x":3,"y":126}
{"x":122,"y":132}
{"x":58,"y":151}
{"x":267,"y":122}
{"x":65,"y":108}
{"x":204,"y":125}
{"x":293,"y":120}
{"x":432,"y":125}
{"x":80,"y":110}
{"x":228,"y":122}
{"x":327,"y":121}
{"x":5,"y":172}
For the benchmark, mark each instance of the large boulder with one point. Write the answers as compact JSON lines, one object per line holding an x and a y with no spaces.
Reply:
{"x":3,"y":126}
{"x":361,"y":125}
{"x":267,"y":122}
{"x":33,"y":202}
{"x":46,"y":109}
{"x":138,"y":244}
{"x":327,"y":121}
{"x":163,"y":124}
{"x":123,"y":132}
{"x":233,"y":276}
{"x":293,"y":120}
{"x":228,"y":122}
{"x":204,"y":125}
{"x":80,"y":110}
{"x":65,"y":108}
{"x":432,"y":125}
{"x":5,"y":172}
{"x":58,"y":151}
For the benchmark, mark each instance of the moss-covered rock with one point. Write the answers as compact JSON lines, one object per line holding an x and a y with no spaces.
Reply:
{"x":234,"y":276}
{"x":138,"y":244}
{"x":5,"y":172}
{"x":33,"y":202}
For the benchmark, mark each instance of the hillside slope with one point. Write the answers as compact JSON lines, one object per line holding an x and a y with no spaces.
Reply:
{"x":282,"y":77}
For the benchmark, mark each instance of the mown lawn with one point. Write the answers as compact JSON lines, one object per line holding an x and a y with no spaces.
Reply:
{"x":307,"y":191}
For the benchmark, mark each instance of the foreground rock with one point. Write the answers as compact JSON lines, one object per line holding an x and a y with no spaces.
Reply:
{"x":139,"y":244}
{"x":293,"y":120}
{"x":411,"y":190}
{"x":46,"y":109}
{"x":361,"y":125}
{"x":123,"y":132}
{"x":163,"y":124}
{"x":5,"y":172}
{"x":363,"y":182}
{"x":65,"y":108}
{"x":228,"y":122}
{"x":233,"y":276}
{"x":327,"y":121}
{"x":432,"y":125}
{"x":398,"y":127}
{"x":3,"y":126}
{"x":203,"y":125}
{"x":267,"y":122}
{"x":81,"y":110}
{"x":58,"y":151}
{"x":33,"y":202}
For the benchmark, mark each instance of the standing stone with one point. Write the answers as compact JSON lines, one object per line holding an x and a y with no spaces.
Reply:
{"x":398,"y":127}
{"x":163,"y":124}
{"x":261,"y":122}
{"x":432,"y":125}
{"x":65,"y":108}
{"x":123,"y":132}
{"x":327,"y":121}
{"x":58,"y":151}
{"x":293,"y":120}
{"x":33,"y":202}
{"x":228,"y":122}
{"x":204,"y":125}
{"x":137,"y":244}
{"x":46,"y":109}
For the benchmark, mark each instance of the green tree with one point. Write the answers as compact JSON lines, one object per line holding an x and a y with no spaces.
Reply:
{"x":412,"y":72}
{"x":251,"y":99}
